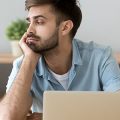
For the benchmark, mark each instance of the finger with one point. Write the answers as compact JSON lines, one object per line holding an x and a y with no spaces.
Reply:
{"x":23,"y":39}
{"x":22,"y":42}
{"x":29,"y":113}
{"x":34,"y":116}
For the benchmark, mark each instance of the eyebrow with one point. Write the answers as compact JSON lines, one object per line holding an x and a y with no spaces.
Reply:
{"x":35,"y":17}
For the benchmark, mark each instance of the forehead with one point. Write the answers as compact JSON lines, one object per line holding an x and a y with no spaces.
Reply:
{"x":44,"y":10}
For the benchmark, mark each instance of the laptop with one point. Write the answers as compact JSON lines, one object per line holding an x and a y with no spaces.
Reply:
{"x":74,"y":105}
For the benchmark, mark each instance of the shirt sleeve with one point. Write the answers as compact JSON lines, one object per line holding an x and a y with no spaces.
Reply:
{"x":109,"y":71}
{"x":13,"y":74}
{"x":37,"y":105}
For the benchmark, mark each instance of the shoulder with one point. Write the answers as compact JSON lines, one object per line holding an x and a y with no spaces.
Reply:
{"x":92,"y":48}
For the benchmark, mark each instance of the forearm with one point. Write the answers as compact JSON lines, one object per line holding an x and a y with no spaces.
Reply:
{"x":17,"y":101}
{"x":22,"y":84}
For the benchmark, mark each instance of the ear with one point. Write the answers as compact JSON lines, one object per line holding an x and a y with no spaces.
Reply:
{"x":66,"y":27}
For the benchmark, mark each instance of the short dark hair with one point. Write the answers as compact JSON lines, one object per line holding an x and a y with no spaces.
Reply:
{"x":65,"y":9}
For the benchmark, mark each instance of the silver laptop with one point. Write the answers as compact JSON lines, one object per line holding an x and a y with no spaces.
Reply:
{"x":58,"y":105}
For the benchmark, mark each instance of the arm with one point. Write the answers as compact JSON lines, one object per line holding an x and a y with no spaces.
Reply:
{"x":109,"y":71}
{"x":17,"y":102}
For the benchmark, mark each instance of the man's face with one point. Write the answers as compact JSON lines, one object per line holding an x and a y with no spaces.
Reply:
{"x":42,"y":32}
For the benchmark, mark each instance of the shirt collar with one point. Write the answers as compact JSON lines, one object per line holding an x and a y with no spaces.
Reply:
{"x":41,"y":67}
{"x":76,"y":60}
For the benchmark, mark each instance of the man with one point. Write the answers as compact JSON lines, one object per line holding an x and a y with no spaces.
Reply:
{"x":54,"y":60}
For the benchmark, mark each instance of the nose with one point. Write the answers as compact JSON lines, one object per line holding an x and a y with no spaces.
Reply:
{"x":31,"y":29}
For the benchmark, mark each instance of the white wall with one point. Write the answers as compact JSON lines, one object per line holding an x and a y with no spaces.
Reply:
{"x":101,"y":21}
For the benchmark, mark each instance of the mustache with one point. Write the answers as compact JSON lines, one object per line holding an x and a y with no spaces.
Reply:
{"x":31,"y":35}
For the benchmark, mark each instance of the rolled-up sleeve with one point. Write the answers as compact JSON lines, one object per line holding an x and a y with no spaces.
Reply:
{"x":13,"y":74}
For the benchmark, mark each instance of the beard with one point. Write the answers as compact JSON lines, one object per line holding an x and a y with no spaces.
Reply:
{"x":44,"y":45}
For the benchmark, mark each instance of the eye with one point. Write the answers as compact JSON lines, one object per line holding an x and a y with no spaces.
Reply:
{"x":40,"y":22}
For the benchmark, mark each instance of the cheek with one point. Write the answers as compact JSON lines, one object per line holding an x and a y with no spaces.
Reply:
{"x":45,"y":32}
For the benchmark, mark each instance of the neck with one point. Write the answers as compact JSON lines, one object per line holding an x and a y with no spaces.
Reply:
{"x":59,"y":60}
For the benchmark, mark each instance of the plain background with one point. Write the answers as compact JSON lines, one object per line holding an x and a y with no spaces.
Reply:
{"x":101,"y":21}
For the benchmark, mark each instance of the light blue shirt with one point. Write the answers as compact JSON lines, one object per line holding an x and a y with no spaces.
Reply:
{"x":93,"y":69}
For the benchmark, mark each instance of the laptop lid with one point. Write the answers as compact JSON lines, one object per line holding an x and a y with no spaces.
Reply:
{"x":58,"y":105}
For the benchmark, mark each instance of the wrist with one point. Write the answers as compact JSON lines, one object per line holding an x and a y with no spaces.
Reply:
{"x":31,"y":61}
{"x":32,"y":58}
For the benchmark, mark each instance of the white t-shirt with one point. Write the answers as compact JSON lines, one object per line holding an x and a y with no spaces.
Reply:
{"x":62,"y":79}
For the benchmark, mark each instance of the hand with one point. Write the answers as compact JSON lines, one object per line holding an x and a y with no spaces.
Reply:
{"x":26,"y":49}
{"x":35,"y":116}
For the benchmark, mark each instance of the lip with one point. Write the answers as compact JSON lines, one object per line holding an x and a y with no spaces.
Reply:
{"x":31,"y":39}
